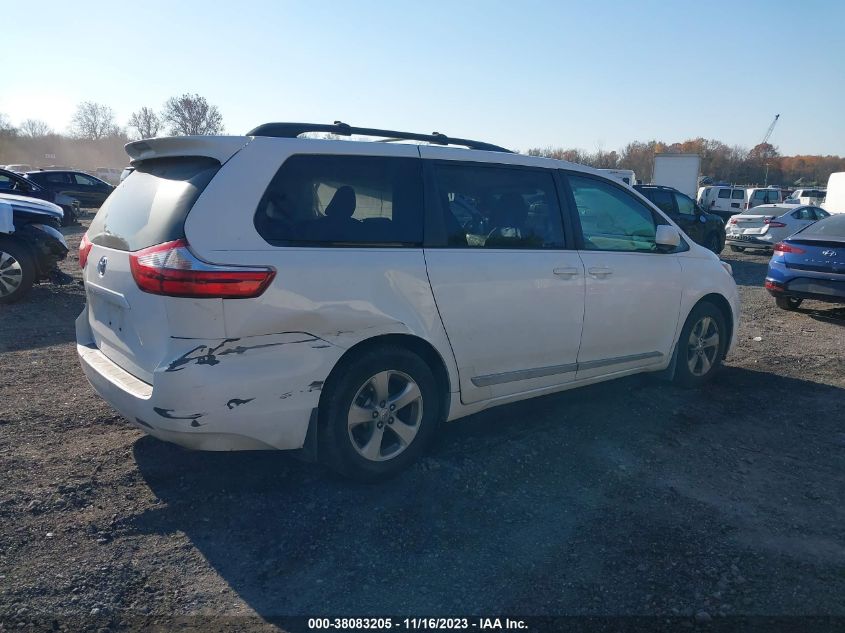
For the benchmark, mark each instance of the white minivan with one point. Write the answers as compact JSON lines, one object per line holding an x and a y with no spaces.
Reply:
{"x":346,"y":297}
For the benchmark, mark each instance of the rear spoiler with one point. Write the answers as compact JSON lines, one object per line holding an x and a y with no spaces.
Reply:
{"x":221,"y":148}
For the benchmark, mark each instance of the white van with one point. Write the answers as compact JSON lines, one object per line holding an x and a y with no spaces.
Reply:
{"x":763,"y":195}
{"x":345,"y":298}
{"x":625,"y":176}
{"x":723,"y":200}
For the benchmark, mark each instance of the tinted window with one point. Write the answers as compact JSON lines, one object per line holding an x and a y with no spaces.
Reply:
{"x":611,"y":219}
{"x":821,"y":214}
{"x":738,"y":194}
{"x":685,"y":205}
{"x":6,"y":183}
{"x":724,"y":193}
{"x":56,"y":179}
{"x":86,"y":181}
{"x":343,"y":200}
{"x":498,"y":207}
{"x":661,"y":198}
{"x":831,"y":227}
{"x":151,"y":207}
{"x":804,"y":213}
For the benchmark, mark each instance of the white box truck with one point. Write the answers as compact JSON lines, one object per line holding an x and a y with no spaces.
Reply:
{"x":677,"y":170}
{"x":834,"y":202}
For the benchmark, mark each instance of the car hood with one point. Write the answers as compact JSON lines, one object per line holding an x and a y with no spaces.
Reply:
{"x":32,"y":205}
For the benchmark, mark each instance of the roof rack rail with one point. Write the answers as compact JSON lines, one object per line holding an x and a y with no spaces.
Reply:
{"x":292,"y":130}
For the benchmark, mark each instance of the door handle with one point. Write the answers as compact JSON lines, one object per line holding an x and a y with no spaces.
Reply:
{"x":600,"y":272}
{"x":565,"y":272}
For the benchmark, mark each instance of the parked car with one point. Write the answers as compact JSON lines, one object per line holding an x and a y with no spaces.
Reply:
{"x":14,"y":183}
{"x":722,"y":200}
{"x":108,"y":174}
{"x":270,"y":291}
{"x":756,"y":196}
{"x":704,"y":228}
{"x":768,"y":224}
{"x":89,"y":190}
{"x":18,"y":168}
{"x":809,"y":265}
{"x":806,"y":196}
{"x":31,"y":245}
{"x":626,"y":176}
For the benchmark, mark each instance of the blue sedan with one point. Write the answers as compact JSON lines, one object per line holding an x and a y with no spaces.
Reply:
{"x":809,"y":265}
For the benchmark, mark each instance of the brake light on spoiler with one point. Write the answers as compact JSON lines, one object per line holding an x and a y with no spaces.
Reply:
{"x":171,"y":269}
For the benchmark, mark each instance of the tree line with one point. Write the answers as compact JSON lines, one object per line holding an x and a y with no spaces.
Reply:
{"x":95,"y":138}
{"x":762,"y":164}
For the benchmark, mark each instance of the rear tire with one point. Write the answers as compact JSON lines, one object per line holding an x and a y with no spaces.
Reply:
{"x":378,"y":413}
{"x":701,"y":346}
{"x":737,"y":249}
{"x":788,"y":303}
{"x":17,"y":270}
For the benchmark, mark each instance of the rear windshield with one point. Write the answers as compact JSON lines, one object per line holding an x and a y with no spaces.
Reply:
{"x":151,"y":205}
{"x":724,"y":193}
{"x":738,"y":194}
{"x":832,"y":227}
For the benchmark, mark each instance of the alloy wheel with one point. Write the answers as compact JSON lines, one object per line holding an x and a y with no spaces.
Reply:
{"x":385,"y":415}
{"x":11,"y":274}
{"x":703,"y":346}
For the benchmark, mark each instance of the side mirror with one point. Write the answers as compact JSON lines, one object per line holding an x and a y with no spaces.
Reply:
{"x":667,"y":237}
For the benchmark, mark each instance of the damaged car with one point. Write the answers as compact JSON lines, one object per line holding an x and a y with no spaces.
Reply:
{"x":344,"y":298}
{"x":31,"y":245}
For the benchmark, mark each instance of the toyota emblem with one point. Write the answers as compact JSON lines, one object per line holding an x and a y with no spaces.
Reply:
{"x":101,"y":265}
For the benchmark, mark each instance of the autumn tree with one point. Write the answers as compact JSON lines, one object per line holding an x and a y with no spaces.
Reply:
{"x":93,"y":121}
{"x":192,"y":115}
{"x":35,"y":128}
{"x":146,"y":123}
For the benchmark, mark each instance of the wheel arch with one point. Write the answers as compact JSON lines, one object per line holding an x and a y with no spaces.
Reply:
{"x":419,"y":346}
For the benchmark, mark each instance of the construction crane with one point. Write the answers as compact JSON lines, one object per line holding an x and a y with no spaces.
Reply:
{"x":766,"y":140}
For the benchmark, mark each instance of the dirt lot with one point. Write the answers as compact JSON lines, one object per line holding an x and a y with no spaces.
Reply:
{"x":631,"y":497}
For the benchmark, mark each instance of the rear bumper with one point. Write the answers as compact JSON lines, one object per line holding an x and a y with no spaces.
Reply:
{"x":258,"y":394}
{"x":750,"y":240}
{"x":816,"y":289}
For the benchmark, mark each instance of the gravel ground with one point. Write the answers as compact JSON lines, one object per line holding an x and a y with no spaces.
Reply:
{"x":627,"y":498}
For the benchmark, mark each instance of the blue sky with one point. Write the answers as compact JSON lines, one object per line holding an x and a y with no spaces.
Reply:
{"x":522,"y":73}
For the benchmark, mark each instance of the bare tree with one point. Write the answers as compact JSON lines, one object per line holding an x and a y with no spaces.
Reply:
{"x":146,"y":122}
{"x":191,"y":115}
{"x":35,"y":128}
{"x":7,"y":130}
{"x":93,"y":121}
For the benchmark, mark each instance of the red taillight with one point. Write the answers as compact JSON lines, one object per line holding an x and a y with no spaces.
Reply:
{"x":783,"y":247}
{"x":732,"y":221}
{"x":84,"y":249}
{"x":774,"y":285}
{"x":774,"y":223}
{"x":171,"y":269}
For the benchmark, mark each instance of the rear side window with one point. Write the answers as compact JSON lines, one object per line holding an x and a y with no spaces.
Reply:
{"x":498,"y":207}
{"x":324,"y":200}
{"x":661,"y":198}
{"x":738,"y":194}
{"x":150,"y":207}
{"x":724,"y":193}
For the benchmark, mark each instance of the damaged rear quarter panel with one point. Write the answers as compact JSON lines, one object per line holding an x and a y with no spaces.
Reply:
{"x":262,"y":387}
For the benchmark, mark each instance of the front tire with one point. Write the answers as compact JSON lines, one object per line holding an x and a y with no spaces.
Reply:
{"x":788,"y":303}
{"x":378,"y":413}
{"x":701,"y":346}
{"x":17,"y":270}
{"x":713,"y":243}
